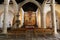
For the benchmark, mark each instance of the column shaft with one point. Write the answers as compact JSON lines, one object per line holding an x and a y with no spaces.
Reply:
{"x":6,"y":4}
{"x":53,"y":14}
{"x":43,"y":19}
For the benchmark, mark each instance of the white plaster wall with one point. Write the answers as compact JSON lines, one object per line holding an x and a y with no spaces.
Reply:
{"x":38,"y":16}
{"x":47,"y":8}
{"x":21,"y":18}
{"x":8,"y":20}
{"x":9,"y":15}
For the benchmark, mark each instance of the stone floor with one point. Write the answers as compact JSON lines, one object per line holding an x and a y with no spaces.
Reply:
{"x":30,"y":36}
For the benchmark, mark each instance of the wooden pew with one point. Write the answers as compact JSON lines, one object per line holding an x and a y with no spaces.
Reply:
{"x":39,"y":31}
{"x":49,"y":31}
{"x":43,"y":31}
{"x":17,"y":32}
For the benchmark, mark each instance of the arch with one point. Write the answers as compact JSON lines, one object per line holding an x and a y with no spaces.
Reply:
{"x":15,"y":4}
{"x":9,"y":16}
{"x":34,"y":2}
{"x":48,"y":18}
{"x":44,"y":3}
{"x":12,"y":12}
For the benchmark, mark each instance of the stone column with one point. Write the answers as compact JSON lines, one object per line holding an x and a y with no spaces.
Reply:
{"x":6,"y":4}
{"x":53,"y":14}
{"x":43,"y":15}
{"x":43,"y":19}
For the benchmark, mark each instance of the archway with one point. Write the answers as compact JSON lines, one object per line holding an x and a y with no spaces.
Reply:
{"x":36,"y":3}
{"x":10,"y":16}
{"x":30,"y":14}
{"x":49,"y":21}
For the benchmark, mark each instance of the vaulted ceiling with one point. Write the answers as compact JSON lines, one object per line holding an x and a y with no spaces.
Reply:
{"x":40,"y":1}
{"x":30,"y":6}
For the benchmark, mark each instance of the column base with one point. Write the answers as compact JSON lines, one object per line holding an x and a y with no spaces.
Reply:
{"x":57,"y":35}
{"x":4,"y":33}
{"x":44,"y":27}
{"x":55,"y":32}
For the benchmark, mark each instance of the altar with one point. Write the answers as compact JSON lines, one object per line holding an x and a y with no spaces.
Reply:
{"x":29,"y":19}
